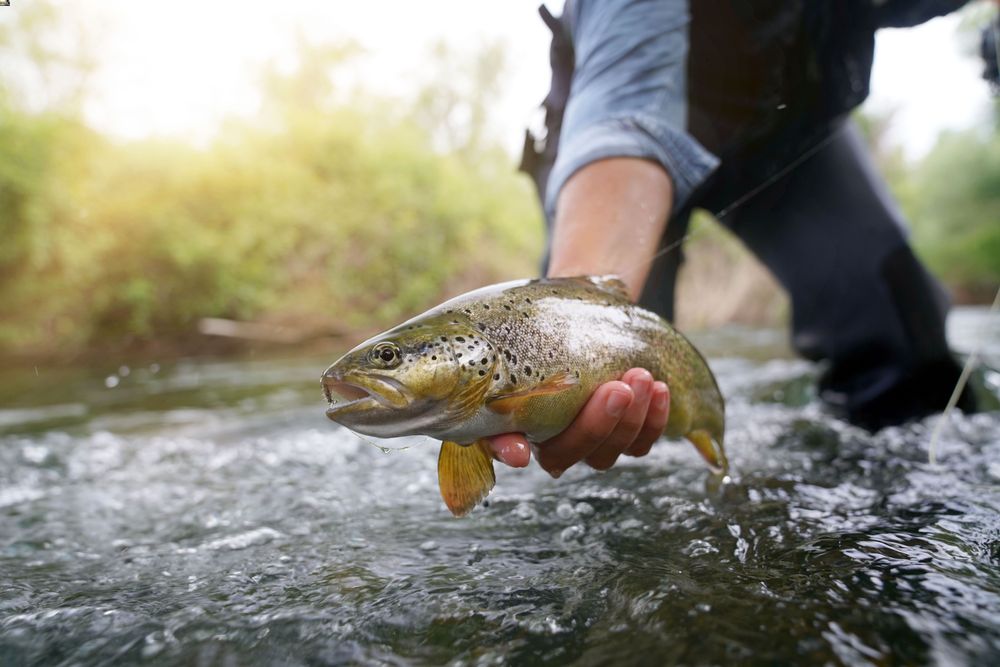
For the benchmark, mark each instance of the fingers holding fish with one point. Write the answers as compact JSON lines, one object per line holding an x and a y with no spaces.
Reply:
{"x":631,"y":423}
{"x":640,"y":426}
{"x":588,"y":431}
{"x":656,"y":421}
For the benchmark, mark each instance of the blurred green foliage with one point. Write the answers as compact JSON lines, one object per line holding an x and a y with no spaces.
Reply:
{"x":328,"y":212}
{"x":333,"y":210}
{"x":954,"y":203}
{"x":951,"y":198}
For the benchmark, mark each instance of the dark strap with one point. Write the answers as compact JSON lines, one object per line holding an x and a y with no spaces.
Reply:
{"x":539,"y":153}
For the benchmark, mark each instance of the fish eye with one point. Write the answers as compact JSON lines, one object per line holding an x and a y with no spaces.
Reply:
{"x":386,"y":355}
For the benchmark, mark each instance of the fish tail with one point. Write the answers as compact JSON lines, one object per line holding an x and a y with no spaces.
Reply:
{"x":710,"y":449}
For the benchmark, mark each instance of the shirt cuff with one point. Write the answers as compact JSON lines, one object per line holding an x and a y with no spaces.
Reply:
{"x":636,"y":135}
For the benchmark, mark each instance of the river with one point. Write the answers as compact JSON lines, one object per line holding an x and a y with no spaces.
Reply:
{"x":207,"y":513}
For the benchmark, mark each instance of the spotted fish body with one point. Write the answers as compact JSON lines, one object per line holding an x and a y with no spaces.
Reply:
{"x":523,"y":357}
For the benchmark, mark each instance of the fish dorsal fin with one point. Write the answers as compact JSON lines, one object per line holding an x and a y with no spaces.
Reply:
{"x":465,"y":475}
{"x":508,"y":402}
{"x":612,"y":284}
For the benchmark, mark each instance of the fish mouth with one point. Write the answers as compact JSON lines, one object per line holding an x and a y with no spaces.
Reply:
{"x":353,"y":394}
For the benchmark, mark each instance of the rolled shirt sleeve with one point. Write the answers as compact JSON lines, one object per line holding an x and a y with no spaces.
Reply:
{"x":628,"y":93}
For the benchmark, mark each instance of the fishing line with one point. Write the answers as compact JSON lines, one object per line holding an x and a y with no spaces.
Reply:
{"x":740,"y":201}
{"x":385,"y":450}
{"x":963,"y":379}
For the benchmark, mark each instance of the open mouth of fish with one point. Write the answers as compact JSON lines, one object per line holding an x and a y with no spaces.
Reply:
{"x":346,"y":397}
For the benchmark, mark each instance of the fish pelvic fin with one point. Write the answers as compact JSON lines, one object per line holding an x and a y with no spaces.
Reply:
{"x":711,"y":450}
{"x":465,"y":475}
{"x":508,"y":403}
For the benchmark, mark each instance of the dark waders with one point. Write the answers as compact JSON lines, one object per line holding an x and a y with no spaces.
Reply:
{"x":831,"y":234}
{"x":861,"y":301}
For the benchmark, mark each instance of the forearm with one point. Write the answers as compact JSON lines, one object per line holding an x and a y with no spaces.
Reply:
{"x":609,"y":219}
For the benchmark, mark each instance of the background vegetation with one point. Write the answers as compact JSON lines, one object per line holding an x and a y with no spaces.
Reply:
{"x":336,"y":211}
{"x":333,"y":211}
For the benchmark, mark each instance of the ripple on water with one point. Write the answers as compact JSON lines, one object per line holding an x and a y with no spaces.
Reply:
{"x":237,"y":526}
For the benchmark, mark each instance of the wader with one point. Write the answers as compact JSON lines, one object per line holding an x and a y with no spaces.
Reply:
{"x":825,"y":225}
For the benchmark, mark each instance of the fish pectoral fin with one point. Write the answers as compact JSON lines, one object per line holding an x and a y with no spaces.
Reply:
{"x":507,"y":403}
{"x":710,"y":450}
{"x":465,"y":475}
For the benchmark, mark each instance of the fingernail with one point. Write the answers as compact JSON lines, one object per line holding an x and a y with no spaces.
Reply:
{"x":642,"y":386}
{"x":617,"y":402}
{"x":513,"y":451}
{"x":660,"y":400}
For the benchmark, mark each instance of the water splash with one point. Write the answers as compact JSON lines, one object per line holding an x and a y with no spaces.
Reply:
{"x":963,"y":380}
{"x":213,"y":514}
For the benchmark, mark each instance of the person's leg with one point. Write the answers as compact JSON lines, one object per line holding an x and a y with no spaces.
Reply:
{"x":861,"y":300}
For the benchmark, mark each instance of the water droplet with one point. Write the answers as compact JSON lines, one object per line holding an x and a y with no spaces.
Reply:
{"x":525,"y":512}
{"x":630,"y":524}
{"x":572,"y":533}
{"x":565,"y":510}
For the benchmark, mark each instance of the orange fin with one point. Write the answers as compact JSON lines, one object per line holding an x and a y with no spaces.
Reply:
{"x":465,"y":475}
{"x":710,"y":450}
{"x":507,"y":403}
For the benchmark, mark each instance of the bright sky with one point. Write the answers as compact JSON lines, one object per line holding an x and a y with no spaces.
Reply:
{"x":179,"y":67}
{"x":922,"y":75}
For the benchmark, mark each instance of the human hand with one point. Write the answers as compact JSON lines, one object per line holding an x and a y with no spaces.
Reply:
{"x":621,"y":417}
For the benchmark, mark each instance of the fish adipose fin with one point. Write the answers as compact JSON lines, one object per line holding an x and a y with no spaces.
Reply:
{"x":712,"y":452}
{"x":465,"y":475}
{"x":507,"y":403}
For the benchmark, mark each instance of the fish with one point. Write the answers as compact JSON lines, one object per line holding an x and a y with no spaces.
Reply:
{"x":521,"y":356}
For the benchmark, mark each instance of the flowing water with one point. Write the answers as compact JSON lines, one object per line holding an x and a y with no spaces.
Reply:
{"x":208,"y":513}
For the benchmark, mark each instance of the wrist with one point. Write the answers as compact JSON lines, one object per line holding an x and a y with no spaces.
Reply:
{"x":610,"y":216}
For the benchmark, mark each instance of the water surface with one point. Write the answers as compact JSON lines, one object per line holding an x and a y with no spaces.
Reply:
{"x":208,"y":513}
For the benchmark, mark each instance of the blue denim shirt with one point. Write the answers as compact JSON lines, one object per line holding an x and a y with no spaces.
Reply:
{"x":628,"y":92}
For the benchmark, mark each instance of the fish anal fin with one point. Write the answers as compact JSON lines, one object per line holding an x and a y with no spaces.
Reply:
{"x":507,"y":403}
{"x":710,"y":450}
{"x":465,"y":475}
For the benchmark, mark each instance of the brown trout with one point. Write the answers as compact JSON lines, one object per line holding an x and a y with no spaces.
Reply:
{"x":522,"y":356}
